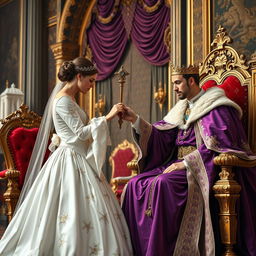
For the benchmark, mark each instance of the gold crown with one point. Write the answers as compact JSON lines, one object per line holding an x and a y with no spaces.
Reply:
{"x":184,"y":70}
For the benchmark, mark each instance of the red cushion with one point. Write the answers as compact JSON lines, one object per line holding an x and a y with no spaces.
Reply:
{"x":21,"y":141}
{"x":233,"y":89}
{"x":121,"y":158}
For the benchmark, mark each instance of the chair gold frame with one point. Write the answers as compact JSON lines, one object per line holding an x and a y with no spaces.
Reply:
{"x":25,"y":118}
{"x":132,"y":165}
{"x":221,"y":62}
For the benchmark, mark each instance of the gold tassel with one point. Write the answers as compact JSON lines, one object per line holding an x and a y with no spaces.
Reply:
{"x":148,"y":212}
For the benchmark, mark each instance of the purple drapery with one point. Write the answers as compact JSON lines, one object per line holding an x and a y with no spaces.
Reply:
{"x":148,"y":34}
{"x":108,"y":40}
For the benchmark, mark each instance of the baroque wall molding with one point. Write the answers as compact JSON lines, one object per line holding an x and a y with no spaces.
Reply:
{"x":71,"y":20}
{"x":68,"y":42}
{"x":64,"y":51}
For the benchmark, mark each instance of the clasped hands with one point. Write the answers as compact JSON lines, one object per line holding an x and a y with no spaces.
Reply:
{"x":122,"y":111}
{"x":126,"y":113}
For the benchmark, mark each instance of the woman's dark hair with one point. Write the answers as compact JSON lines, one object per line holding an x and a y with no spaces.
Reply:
{"x":195,"y":76}
{"x":80,"y":65}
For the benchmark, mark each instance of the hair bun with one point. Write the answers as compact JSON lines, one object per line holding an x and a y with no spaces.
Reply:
{"x":67,"y":71}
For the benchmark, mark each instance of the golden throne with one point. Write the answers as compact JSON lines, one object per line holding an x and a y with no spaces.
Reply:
{"x":17,"y":137}
{"x":223,"y":67}
{"x":123,"y":160}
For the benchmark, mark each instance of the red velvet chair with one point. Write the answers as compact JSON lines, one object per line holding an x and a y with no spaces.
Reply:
{"x":17,"y":137}
{"x":235,"y":91}
{"x":223,"y":67}
{"x":124,"y":166}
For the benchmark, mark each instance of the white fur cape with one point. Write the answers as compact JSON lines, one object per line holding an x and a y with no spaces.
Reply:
{"x":212,"y":98}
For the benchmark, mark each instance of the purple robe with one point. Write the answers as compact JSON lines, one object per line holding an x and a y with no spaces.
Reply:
{"x":220,"y":131}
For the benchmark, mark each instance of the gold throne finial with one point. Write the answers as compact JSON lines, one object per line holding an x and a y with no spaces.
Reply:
{"x":221,"y":38}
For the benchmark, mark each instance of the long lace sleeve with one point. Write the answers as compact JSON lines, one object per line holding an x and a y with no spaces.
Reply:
{"x":68,"y":111}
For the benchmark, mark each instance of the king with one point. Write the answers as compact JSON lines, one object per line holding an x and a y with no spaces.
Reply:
{"x":167,"y":206}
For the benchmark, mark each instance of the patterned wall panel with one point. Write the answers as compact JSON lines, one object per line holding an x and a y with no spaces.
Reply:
{"x":239,"y":19}
{"x":197,"y":31}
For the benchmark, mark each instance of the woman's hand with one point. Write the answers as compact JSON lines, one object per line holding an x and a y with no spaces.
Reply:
{"x":116,"y":109}
{"x":175,"y":167}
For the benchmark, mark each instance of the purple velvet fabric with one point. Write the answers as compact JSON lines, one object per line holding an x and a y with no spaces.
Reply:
{"x":156,"y":235}
{"x":148,"y":33}
{"x":108,"y":41}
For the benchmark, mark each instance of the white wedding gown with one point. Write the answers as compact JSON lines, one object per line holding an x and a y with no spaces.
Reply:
{"x":70,"y":210}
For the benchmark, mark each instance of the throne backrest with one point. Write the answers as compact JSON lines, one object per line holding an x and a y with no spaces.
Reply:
{"x":223,"y":67}
{"x":121,"y":155}
{"x":18,"y":135}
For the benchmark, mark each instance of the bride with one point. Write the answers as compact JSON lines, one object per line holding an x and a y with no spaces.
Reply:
{"x":66,"y":207}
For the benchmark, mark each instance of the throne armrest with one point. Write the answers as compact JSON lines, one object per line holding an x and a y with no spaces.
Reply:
{"x":12,"y":173}
{"x":229,"y":160}
{"x":3,"y":174}
{"x":9,"y":174}
{"x":115,"y":182}
{"x":227,"y":191}
{"x":121,"y":180}
{"x":12,"y":193}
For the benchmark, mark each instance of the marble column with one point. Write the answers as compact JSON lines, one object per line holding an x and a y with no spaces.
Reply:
{"x":33,"y":52}
{"x":178,"y":56}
